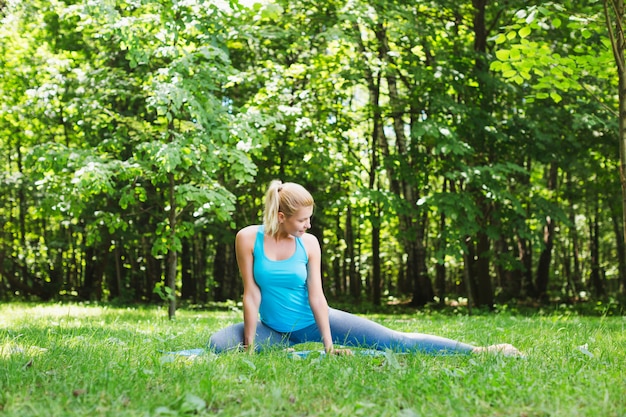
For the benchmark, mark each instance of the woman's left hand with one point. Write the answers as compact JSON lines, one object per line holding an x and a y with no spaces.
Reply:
{"x":341,"y":352}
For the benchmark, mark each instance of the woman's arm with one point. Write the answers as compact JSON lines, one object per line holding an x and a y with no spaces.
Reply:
{"x":244,"y":249}
{"x":317,"y":299}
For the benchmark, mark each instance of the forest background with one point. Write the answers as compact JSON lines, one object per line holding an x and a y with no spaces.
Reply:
{"x":455,"y":149}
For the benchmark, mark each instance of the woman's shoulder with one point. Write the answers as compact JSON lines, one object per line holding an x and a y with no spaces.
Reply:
{"x":252,"y":229}
{"x":309,"y":238}
{"x":248,"y":233}
{"x":310,"y":242}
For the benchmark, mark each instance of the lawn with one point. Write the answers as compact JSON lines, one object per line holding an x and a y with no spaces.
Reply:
{"x":81,"y":360}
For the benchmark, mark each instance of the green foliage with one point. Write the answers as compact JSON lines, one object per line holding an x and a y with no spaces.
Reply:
{"x":132,"y":93}
{"x":553,"y":70}
{"x":132,"y":129}
{"x":164,"y":292}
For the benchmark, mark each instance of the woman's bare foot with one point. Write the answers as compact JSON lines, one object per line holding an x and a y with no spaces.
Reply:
{"x":502,"y":349}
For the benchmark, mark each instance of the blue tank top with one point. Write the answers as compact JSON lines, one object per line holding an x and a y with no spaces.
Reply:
{"x":284,"y":294}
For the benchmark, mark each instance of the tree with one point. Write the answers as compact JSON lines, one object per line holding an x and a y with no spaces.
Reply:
{"x":582,"y":67}
{"x":430,"y":134}
{"x":176,"y":130}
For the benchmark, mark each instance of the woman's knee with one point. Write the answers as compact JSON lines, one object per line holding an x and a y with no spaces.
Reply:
{"x":226,"y":339}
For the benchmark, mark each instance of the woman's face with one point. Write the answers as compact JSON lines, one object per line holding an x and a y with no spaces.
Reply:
{"x":298,"y":223}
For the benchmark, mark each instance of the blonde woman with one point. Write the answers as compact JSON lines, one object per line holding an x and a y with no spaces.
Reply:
{"x":283,"y":299}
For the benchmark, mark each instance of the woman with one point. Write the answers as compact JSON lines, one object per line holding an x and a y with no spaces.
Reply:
{"x":281,"y":269}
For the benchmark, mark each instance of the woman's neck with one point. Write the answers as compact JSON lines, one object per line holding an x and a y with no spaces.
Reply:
{"x":281,"y":235}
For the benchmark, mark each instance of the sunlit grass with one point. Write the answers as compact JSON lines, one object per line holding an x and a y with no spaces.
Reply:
{"x":83,"y":360}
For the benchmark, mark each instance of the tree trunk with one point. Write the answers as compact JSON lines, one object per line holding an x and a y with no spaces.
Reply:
{"x":525,"y":258}
{"x":22,"y":212}
{"x":423,"y":292}
{"x":618,"y":42}
{"x":622,"y":127}
{"x":172,"y":255}
{"x":376,"y":275}
{"x":621,"y":253}
{"x":375,"y":219}
{"x":509,"y":277}
{"x":545,"y":259}
{"x":232,"y":271}
{"x":573,"y":253}
{"x":354,"y":278}
{"x":468,"y":257}
{"x":403,"y":184}
{"x":154,"y":271}
{"x":118,"y":269}
{"x":440,"y":268}
{"x":373,"y":84}
{"x":91,"y":290}
{"x":481,"y":273}
{"x":440,"y":282}
{"x":188,"y":290}
{"x":219,"y":273}
{"x":595,"y":278}
{"x":199,"y":269}
{"x":338,"y":272}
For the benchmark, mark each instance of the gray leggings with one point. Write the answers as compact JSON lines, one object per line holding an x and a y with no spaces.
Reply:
{"x":347,"y":330}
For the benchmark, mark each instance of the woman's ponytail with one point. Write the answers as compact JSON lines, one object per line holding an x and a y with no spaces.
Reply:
{"x":272,"y":207}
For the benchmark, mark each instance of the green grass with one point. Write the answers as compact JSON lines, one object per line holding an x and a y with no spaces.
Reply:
{"x":79,"y":360}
